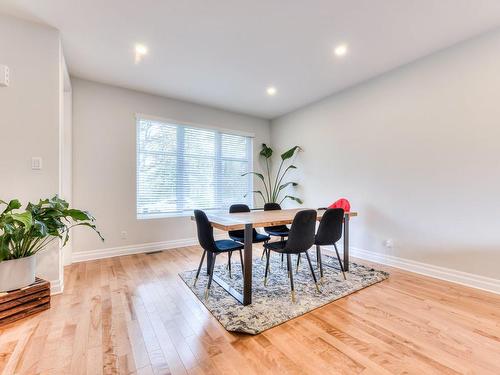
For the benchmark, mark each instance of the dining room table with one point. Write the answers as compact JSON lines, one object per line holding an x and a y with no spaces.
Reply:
{"x":246,"y":221}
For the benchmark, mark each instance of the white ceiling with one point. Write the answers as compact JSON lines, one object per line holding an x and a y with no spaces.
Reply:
{"x":225,"y":53}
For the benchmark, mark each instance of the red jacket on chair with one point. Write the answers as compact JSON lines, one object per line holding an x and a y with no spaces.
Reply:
{"x":341,"y":203}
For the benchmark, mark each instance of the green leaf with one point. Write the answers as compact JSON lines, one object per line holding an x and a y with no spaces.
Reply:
{"x":266,"y":151}
{"x":40,"y":228}
{"x":8,"y":228}
{"x":287,"y":184}
{"x":12,"y":205}
{"x":298,"y":200}
{"x":84,"y":224}
{"x":79,"y":215}
{"x":288,"y":154}
{"x":259,"y":175}
{"x":24,"y":218}
{"x":4,"y":247}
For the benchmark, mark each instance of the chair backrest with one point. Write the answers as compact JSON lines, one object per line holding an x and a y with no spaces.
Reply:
{"x":238,"y":208}
{"x":235,"y":208}
{"x":301,"y":235}
{"x":330,"y":227}
{"x":205,"y":231}
{"x":341,"y":203}
{"x":272,"y":207}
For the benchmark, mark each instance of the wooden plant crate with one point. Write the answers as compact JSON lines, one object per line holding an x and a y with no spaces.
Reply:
{"x":21,"y":303}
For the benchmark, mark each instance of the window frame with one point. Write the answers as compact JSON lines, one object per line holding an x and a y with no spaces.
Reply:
{"x":219,"y":130}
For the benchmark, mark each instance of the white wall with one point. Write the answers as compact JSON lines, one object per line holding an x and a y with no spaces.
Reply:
{"x":104,"y":159}
{"x":417,"y":153}
{"x":29,"y":118}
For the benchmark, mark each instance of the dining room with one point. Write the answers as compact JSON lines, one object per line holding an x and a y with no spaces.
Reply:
{"x":266,"y":187}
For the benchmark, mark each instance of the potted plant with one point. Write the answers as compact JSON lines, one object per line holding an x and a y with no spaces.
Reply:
{"x":24,"y":233}
{"x":274,"y":186}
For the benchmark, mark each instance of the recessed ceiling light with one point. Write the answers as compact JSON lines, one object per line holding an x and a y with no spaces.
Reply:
{"x":140,"y":51}
{"x":340,"y":50}
{"x":271,"y":91}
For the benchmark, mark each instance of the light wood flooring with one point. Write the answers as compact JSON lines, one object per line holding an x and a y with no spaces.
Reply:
{"x":133,"y":315}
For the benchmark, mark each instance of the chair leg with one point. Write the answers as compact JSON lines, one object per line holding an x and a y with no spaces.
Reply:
{"x":264,"y":251}
{"x":267,"y":266}
{"x":319,"y":261}
{"x":229,"y":263}
{"x":242,"y":265}
{"x":268,"y":255}
{"x":288,"y":267}
{"x":212,"y":266}
{"x":312,"y":271}
{"x":282,"y":255}
{"x":298,"y":263}
{"x":199,"y":267}
{"x":289,"y":262}
{"x":340,"y":262}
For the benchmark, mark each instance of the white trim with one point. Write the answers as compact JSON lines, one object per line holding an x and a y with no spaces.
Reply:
{"x":459,"y":277}
{"x":143,"y":116}
{"x":56,"y":286}
{"x":83,"y":256}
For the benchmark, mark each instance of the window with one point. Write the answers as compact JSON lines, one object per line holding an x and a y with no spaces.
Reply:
{"x":181,"y":168}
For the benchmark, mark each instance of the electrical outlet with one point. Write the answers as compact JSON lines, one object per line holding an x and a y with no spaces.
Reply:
{"x":389,"y":243}
{"x":36,"y":163}
{"x":123,"y":235}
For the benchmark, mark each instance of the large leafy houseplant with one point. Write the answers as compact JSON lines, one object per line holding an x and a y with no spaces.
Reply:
{"x":23,"y":234}
{"x":274,"y":187}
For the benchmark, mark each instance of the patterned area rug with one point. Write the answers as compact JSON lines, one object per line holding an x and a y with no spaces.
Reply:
{"x":272,"y":305}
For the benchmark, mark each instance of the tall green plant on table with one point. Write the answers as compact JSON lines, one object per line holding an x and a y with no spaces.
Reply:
{"x":23,"y":234}
{"x":274,"y":186}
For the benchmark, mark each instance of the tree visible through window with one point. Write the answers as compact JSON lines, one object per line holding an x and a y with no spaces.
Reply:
{"x":181,"y":168}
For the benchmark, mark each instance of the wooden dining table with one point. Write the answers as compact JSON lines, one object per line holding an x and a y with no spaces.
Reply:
{"x":246,"y":221}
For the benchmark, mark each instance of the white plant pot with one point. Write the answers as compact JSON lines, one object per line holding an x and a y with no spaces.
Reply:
{"x":17,"y":273}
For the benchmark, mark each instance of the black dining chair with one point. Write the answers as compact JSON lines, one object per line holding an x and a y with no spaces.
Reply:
{"x":239,"y":235}
{"x":329,"y":233}
{"x":277,"y":230}
{"x":300,"y":240}
{"x":207,"y":242}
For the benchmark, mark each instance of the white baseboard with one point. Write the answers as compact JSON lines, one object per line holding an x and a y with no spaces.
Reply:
{"x":84,"y":256}
{"x":56,"y":287}
{"x":448,"y":274}
{"x":468,"y":279}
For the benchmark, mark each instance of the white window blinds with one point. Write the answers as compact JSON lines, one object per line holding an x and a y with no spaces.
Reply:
{"x":181,"y":168}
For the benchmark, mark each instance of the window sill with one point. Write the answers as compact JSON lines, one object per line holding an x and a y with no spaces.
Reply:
{"x":163,"y":216}
{"x":181,"y":214}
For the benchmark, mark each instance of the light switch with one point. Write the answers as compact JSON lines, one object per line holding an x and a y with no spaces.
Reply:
{"x":4,"y":76}
{"x":36,"y":163}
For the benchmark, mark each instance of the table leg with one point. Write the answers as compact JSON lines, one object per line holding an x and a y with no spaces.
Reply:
{"x":346,"y":242}
{"x":247,"y":280}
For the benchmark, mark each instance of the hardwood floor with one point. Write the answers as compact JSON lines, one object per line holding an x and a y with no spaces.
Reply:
{"x":133,"y":315}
